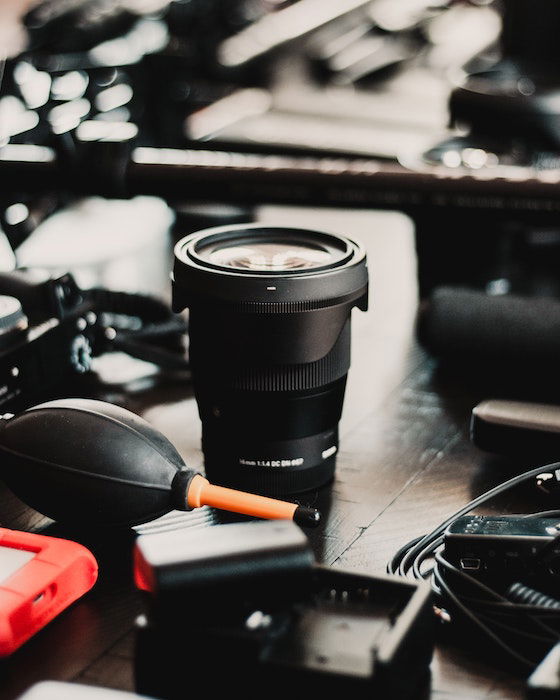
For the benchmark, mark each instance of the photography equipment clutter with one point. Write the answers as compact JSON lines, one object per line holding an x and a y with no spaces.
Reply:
{"x":495,"y":606}
{"x":50,"y":331}
{"x":249,"y":601}
{"x":55,"y":461}
{"x":269,"y":347}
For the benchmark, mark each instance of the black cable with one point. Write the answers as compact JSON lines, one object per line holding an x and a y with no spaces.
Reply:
{"x":529,"y":596}
{"x":450,"y":595}
{"x":522,"y":622}
{"x":413,"y":548}
{"x":157,"y":336}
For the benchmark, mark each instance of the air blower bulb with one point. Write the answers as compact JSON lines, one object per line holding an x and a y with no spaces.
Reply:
{"x":90,"y":462}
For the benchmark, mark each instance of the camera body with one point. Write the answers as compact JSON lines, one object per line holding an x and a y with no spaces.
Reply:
{"x":48,"y":334}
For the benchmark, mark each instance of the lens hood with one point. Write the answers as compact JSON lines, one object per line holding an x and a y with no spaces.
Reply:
{"x":342,"y":278}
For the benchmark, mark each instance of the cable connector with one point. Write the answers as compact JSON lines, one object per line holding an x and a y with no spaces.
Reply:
{"x":549,"y":482}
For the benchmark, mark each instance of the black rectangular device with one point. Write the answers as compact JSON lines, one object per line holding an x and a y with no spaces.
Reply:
{"x":248,"y":602}
{"x":518,"y":429}
{"x":503,"y":546}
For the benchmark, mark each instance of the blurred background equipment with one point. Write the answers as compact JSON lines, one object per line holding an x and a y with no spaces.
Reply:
{"x":505,"y":335}
{"x":398,"y":105}
{"x":189,"y":114}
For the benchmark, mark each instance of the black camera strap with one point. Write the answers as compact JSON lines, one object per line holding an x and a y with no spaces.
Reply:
{"x":140,"y":325}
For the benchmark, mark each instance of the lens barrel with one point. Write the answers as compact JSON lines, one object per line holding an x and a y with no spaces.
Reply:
{"x":269,"y":347}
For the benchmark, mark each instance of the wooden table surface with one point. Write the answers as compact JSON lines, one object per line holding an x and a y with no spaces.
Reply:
{"x":405,"y":463}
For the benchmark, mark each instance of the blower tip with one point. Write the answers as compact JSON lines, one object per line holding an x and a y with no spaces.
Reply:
{"x":307,"y":517}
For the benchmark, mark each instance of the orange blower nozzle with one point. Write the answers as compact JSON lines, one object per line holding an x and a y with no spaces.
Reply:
{"x":200,"y":492}
{"x":103,"y":464}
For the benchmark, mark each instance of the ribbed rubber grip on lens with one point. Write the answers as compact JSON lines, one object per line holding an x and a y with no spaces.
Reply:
{"x":298,"y":377}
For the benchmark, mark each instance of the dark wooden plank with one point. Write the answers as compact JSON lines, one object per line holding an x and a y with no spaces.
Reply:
{"x":454,"y":475}
{"x":109,"y":671}
{"x":379,"y":459}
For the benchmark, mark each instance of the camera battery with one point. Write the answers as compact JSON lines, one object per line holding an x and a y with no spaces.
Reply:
{"x":236,"y":559}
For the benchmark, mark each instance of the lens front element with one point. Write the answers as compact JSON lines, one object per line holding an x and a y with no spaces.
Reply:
{"x":269,"y":255}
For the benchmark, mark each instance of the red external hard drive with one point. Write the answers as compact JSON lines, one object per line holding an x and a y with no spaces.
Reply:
{"x":39,"y":577}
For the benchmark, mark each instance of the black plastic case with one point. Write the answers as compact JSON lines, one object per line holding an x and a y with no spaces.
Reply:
{"x":517,"y":428}
{"x":298,"y":626}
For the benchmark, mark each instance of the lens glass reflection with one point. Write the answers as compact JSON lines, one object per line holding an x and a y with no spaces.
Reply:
{"x":272,"y":256}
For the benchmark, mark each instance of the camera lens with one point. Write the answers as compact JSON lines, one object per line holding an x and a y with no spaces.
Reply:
{"x":269,"y":346}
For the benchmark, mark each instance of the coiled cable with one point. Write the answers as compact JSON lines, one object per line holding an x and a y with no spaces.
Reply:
{"x":519,"y":593}
{"x":521,"y":622}
{"x":142,"y":326}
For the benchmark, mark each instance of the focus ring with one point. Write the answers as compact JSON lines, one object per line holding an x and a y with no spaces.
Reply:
{"x":269,"y":307}
{"x":283,"y":307}
{"x":298,"y":377}
{"x":275,"y":378}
